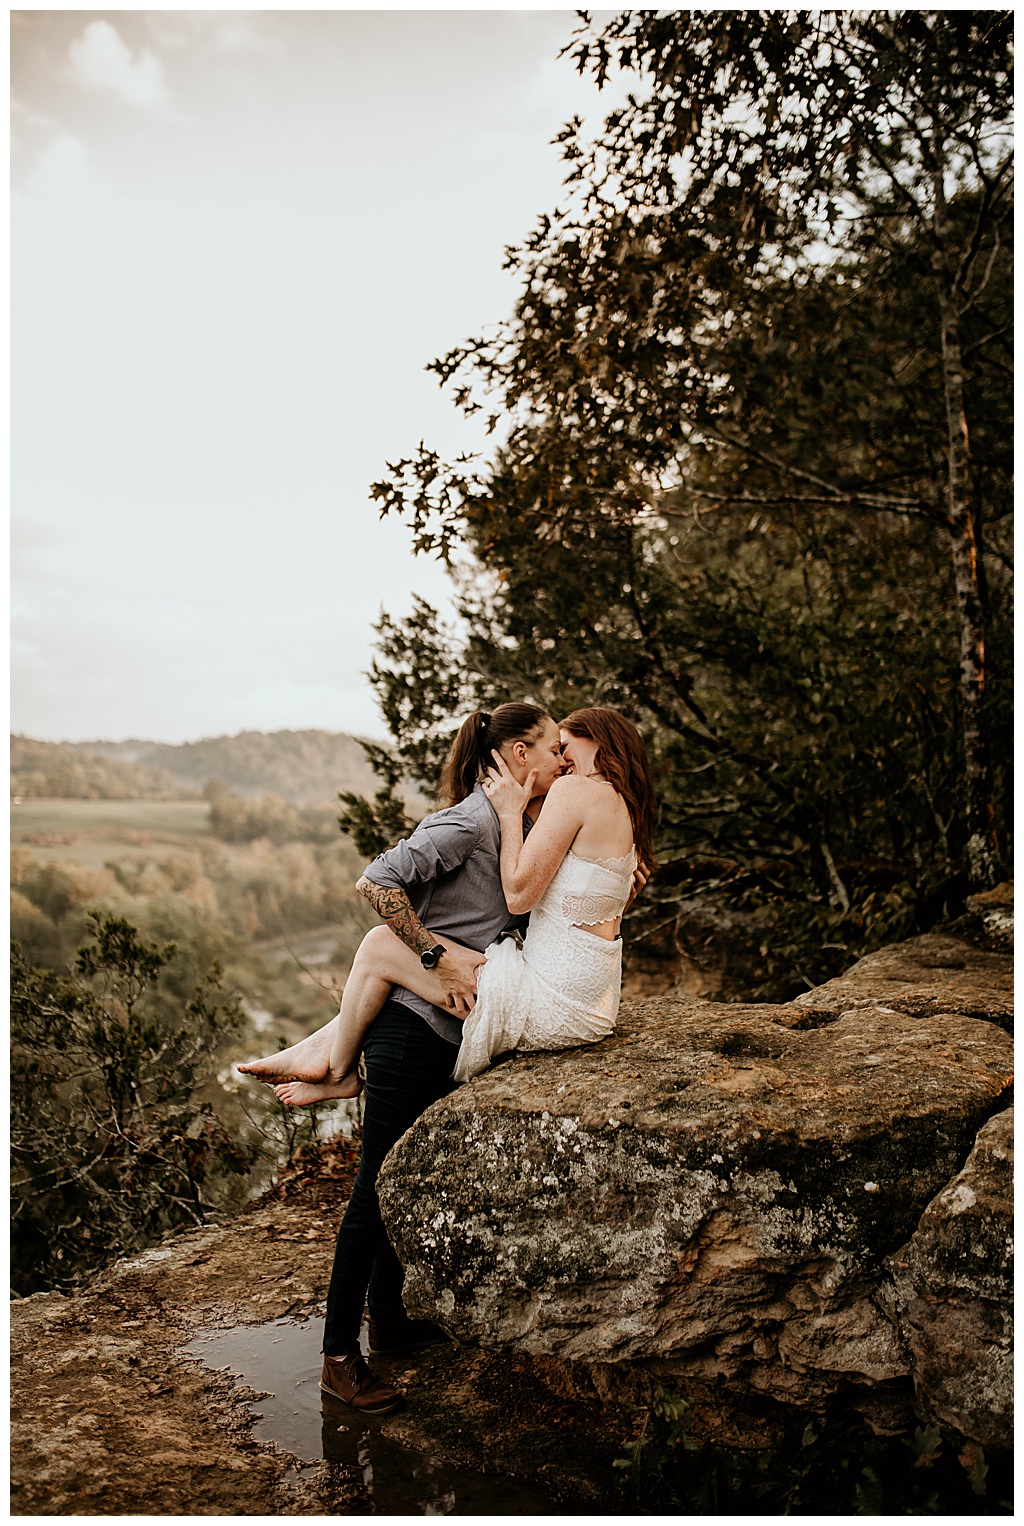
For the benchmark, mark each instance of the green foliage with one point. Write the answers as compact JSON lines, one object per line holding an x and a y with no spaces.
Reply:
{"x":238,"y":819}
{"x":810,"y":813}
{"x":35,"y":932}
{"x":48,"y":906}
{"x":233,"y":819}
{"x":111,"y":1145}
{"x":723,"y":501}
{"x":376,"y":825}
{"x":665,"y":1427}
{"x":829,"y":1464}
{"x":288,"y":1134}
{"x":418,"y":706}
{"x":244,"y":904}
{"x":54,"y":888}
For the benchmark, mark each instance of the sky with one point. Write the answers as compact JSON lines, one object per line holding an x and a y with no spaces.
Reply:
{"x":237,"y":240}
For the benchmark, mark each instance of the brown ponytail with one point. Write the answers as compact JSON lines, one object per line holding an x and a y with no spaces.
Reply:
{"x":480,"y":735}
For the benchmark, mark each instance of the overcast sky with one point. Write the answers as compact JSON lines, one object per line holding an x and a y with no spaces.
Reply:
{"x":238,"y":237}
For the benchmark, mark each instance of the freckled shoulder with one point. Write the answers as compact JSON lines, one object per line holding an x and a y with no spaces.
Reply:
{"x":573,"y":795}
{"x":568,"y":786}
{"x":578,"y":783}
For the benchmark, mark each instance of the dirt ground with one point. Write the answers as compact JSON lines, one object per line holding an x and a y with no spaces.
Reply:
{"x":108,"y":1418}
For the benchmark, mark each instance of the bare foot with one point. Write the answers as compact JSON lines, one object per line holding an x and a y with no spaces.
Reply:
{"x":297,"y":1094}
{"x":308,"y":1060}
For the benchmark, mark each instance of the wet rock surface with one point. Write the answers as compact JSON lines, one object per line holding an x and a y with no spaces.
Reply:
{"x":922,"y":978}
{"x":709,"y":1194}
{"x":110,"y":1418}
{"x":953,"y":1293}
{"x":105,"y":1420}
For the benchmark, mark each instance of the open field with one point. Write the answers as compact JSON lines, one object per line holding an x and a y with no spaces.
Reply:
{"x":91,"y":831}
{"x":284,"y":918}
{"x":167,"y":816}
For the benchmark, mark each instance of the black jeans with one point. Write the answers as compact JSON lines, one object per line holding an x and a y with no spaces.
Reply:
{"x":408,"y":1066}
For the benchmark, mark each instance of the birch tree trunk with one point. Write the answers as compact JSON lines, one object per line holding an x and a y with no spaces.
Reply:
{"x":982,"y":848}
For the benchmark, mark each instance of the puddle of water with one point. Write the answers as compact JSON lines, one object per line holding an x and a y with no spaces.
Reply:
{"x":283,"y":1359}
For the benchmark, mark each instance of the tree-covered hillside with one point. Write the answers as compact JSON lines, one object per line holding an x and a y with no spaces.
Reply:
{"x":67,"y":771}
{"x":299,"y":766}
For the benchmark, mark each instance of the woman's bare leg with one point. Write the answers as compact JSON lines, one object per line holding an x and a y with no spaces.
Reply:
{"x":382,"y":961}
{"x":312,"y":1058}
{"x":308,"y":1060}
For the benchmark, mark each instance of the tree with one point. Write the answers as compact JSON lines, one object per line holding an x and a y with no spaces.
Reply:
{"x":789,"y":175}
{"x":112,"y":1144}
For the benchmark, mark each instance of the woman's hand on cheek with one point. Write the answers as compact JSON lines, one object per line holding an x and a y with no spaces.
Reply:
{"x":503,"y":790}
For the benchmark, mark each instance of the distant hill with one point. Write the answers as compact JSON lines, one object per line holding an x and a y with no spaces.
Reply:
{"x":66,"y":771}
{"x":300,"y":766}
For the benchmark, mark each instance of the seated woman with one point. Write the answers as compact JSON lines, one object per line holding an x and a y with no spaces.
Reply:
{"x":574,"y":873}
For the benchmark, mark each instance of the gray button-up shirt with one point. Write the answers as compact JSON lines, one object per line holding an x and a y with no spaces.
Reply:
{"x":450,"y":870}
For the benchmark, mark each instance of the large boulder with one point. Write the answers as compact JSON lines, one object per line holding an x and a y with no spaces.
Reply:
{"x":710,"y":1193}
{"x":953,"y":1284}
{"x":922,"y":977}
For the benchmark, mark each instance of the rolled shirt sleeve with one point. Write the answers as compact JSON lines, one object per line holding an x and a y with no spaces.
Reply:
{"x":435,"y":848}
{"x":450,"y":869}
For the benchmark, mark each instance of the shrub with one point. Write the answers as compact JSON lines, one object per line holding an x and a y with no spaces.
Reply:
{"x":111,"y":1147}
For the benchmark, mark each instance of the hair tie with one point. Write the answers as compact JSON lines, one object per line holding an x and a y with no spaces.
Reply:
{"x":485,"y":717}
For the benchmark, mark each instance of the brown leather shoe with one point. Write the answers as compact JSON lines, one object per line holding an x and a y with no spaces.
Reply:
{"x":394,"y":1337}
{"x":349,"y":1379}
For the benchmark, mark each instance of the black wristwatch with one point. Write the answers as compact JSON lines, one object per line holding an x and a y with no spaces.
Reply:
{"x":430,"y":958}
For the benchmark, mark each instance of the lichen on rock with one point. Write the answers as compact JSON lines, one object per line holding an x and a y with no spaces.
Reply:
{"x":953,"y":1293}
{"x":710,"y":1193}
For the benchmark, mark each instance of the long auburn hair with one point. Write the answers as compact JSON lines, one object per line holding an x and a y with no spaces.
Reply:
{"x":480,"y":735}
{"x":621,"y":758}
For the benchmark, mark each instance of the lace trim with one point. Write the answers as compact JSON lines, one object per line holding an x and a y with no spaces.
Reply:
{"x":605,"y":863}
{"x":600,"y":903}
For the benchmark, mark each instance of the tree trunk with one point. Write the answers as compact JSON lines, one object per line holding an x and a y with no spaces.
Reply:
{"x":982,"y":847}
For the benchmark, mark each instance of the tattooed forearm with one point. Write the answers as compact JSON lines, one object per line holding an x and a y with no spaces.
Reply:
{"x":394,"y":908}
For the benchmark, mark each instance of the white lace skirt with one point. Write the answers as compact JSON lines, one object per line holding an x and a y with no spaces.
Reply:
{"x":560,"y":990}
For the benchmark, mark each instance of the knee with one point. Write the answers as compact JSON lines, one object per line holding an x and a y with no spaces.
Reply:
{"x":373,"y":951}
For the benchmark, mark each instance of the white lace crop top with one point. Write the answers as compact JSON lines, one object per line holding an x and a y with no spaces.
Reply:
{"x":585,"y":891}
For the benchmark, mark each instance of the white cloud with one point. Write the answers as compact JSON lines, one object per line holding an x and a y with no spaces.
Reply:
{"x":202,"y":391}
{"x":23,"y":115}
{"x":64,"y":169}
{"x":217,"y":32}
{"x":101,"y":60}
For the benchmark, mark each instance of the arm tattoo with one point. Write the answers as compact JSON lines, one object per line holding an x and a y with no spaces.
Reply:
{"x":394,"y":908}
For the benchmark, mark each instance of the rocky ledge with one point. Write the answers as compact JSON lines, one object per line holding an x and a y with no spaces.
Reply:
{"x":923,"y":977}
{"x":762,"y":1200}
{"x":110,"y":1416}
{"x":746,"y":1203}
